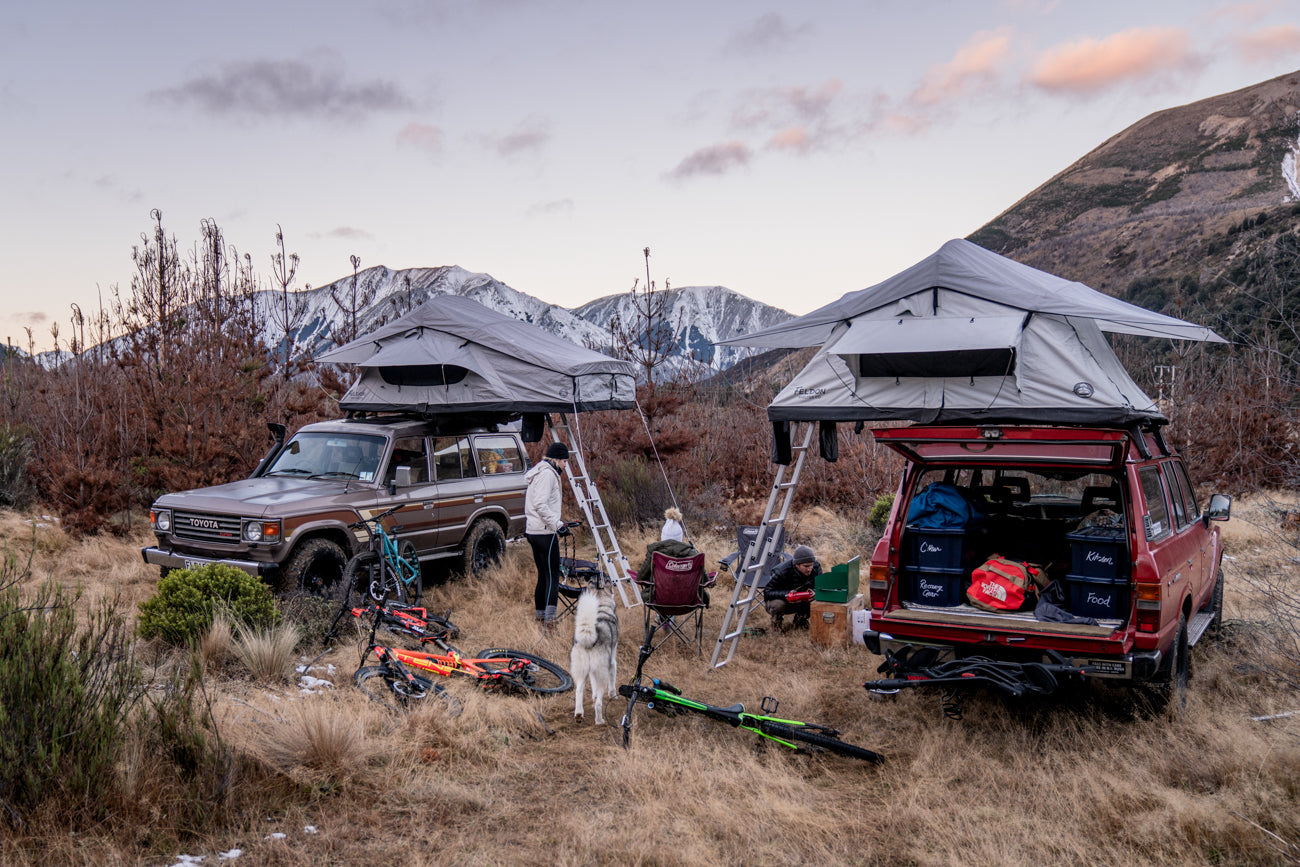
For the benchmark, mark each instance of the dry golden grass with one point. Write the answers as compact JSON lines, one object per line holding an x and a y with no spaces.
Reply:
{"x":267,"y":653}
{"x":1082,"y":778}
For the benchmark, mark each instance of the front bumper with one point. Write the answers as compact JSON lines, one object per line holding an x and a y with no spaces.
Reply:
{"x":173,"y":560}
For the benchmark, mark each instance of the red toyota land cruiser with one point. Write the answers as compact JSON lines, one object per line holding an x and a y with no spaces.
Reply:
{"x":1129,"y":559}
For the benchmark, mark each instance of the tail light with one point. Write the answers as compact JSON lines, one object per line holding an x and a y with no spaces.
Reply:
{"x":1148,"y":598}
{"x":878,"y":585}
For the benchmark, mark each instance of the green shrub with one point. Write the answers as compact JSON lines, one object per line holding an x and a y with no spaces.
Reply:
{"x":181,"y":610}
{"x":879,"y":513}
{"x":634,"y":492}
{"x":64,"y":695}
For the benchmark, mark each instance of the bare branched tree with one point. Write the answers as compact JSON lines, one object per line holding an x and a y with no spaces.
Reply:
{"x":291,"y":309}
{"x":646,"y":337}
{"x":351,"y":304}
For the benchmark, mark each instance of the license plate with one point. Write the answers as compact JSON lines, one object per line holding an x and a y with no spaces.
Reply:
{"x":194,"y":563}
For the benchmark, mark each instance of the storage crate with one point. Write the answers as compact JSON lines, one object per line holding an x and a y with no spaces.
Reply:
{"x":1102,"y":598}
{"x":939,"y":547}
{"x":1099,"y":552}
{"x":830,"y":623}
{"x":840,"y":584}
{"x":941,"y":587}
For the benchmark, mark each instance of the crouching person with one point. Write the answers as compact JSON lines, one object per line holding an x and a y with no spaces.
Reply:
{"x":794,"y":575}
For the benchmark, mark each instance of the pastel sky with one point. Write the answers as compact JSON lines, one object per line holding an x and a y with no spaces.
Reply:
{"x":790,"y":151}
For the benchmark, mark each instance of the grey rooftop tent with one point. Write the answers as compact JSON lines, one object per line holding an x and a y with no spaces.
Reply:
{"x":452,"y":354}
{"x":966,"y":335}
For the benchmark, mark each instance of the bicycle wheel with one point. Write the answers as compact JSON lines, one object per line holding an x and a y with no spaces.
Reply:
{"x":379,"y":685}
{"x":817,"y":739}
{"x":540,"y":676}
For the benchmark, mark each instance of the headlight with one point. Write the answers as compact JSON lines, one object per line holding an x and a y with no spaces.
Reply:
{"x":161,"y":520}
{"x":261,"y":531}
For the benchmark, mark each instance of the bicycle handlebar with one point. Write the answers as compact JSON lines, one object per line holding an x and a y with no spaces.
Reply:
{"x":375,"y":519}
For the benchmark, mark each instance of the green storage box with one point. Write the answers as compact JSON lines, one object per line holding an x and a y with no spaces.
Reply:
{"x":839,"y":584}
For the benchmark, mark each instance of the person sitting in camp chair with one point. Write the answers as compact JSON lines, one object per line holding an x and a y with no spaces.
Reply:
{"x":791,"y":589}
{"x":672,"y":548}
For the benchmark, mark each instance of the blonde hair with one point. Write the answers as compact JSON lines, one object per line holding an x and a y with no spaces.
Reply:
{"x":673,"y":514}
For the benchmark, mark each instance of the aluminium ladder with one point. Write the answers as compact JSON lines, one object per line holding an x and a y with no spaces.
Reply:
{"x":609,"y":555}
{"x":747,"y":593}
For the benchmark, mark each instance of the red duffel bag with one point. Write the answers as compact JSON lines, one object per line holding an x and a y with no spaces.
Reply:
{"x":1000,"y":584}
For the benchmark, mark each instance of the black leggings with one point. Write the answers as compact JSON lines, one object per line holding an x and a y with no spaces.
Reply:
{"x":546,"y":554}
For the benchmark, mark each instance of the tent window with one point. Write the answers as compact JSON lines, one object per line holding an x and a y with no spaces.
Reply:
{"x":423,"y":375}
{"x":962,"y":362}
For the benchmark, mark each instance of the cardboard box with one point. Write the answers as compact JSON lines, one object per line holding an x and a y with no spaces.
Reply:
{"x":829,"y":623}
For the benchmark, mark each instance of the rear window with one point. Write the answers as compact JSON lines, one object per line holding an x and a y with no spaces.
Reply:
{"x":498,"y":454}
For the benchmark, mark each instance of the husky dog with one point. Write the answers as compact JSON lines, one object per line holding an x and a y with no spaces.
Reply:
{"x":595,"y":645}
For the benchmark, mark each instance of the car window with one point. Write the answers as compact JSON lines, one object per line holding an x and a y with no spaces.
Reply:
{"x":329,"y":455}
{"x":453,"y":458}
{"x":1175,"y":495}
{"x":409,"y":452}
{"x":1156,"y":519}
{"x":1189,"y":492}
{"x":498,"y":454}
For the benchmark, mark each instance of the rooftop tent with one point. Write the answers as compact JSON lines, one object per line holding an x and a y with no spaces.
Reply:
{"x":967,"y":335}
{"x":452,"y":354}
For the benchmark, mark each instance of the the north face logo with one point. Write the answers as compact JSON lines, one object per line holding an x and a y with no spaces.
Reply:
{"x":996,"y":591}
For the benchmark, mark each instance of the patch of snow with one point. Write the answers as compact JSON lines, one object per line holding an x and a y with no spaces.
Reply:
{"x":309,"y":829}
{"x":230,"y":855}
{"x":1289,"y":170}
{"x":278,"y":835}
{"x":182,"y":860}
{"x":310,"y":684}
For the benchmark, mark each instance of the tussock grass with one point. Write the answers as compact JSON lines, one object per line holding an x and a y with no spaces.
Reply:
{"x":267,"y":652}
{"x":1083,"y":778}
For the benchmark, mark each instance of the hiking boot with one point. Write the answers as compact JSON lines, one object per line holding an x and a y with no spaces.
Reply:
{"x":778,"y":623}
{"x":801,"y":621}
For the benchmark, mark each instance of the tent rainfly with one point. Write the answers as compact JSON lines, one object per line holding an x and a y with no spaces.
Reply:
{"x":453,"y":355}
{"x":965,"y":335}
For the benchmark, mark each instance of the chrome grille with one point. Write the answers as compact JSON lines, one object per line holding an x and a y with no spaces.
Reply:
{"x":205,"y":528}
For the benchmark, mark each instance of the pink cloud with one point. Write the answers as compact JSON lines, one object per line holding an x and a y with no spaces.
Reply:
{"x":713,"y":160}
{"x":1269,"y":43}
{"x":421,"y":137}
{"x":793,"y":138}
{"x":977,"y":62}
{"x":776,"y":107}
{"x":1086,"y":66}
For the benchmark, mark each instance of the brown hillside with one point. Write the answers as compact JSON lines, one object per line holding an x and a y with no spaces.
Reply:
{"x":1167,"y":197}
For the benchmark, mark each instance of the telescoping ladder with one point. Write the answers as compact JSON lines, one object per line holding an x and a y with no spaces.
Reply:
{"x":609,"y":555}
{"x":746,"y":596}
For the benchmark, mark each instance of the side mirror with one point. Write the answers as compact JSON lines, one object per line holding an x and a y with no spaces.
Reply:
{"x":403,"y":477}
{"x":1219,"y":509}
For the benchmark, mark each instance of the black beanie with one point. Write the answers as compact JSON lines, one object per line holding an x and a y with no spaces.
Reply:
{"x":558,"y":451}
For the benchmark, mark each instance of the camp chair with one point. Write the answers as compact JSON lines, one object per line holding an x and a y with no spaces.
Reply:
{"x":745,"y":537}
{"x":674,"y":599}
{"x":574,"y":575}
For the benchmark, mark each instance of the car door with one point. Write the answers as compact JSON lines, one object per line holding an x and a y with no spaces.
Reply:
{"x":417,"y":520}
{"x":1173,"y":552}
{"x":459,"y":488}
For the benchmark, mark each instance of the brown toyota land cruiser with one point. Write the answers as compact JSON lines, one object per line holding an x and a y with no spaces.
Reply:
{"x":460,"y":489}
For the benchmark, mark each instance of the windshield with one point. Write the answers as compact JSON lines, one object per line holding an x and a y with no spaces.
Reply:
{"x":330,"y":455}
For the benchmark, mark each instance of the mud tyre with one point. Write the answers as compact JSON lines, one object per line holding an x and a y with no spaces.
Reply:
{"x":485,"y":545}
{"x":316,"y":567}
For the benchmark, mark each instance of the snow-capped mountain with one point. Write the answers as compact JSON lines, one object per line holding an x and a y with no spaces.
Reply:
{"x":698,"y":315}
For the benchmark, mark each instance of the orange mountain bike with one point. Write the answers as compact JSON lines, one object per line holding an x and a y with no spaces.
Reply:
{"x":395,"y":677}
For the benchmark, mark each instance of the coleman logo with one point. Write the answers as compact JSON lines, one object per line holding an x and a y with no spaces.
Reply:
{"x":809,"y":392}
{"x":994,"y":591}
{"x":204,"y":523}
{"x":682,"y":566}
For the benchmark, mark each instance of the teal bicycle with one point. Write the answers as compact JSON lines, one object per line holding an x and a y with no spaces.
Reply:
{"x":386,"y":571}
{"x":794,"y":734}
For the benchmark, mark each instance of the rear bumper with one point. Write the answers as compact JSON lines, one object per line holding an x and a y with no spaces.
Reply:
{"x":1134,"y":666}
{"x":172,"y":560}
